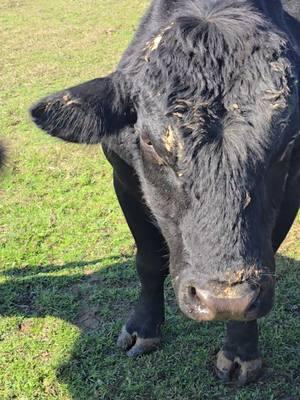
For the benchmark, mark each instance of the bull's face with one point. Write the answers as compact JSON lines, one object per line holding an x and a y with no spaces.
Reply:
{"x":211,"y":144}
{"x":217,"y":212}
{"x":218,"y":224}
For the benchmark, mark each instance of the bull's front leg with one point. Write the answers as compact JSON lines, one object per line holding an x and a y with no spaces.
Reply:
{"x":141,"y":333}
{"x":239,"y":359}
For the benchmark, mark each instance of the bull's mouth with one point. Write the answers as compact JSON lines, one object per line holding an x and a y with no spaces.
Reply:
{"x":212,"y":300}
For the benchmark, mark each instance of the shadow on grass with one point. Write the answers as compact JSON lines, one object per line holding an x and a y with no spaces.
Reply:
{"x":99,"y":302}
{"x":41,"y":269}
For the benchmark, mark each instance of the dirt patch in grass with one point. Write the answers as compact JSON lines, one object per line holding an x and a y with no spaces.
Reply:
{"x":88,"y":318}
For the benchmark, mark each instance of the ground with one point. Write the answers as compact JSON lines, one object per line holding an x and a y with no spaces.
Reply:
{"x":67,"y":277}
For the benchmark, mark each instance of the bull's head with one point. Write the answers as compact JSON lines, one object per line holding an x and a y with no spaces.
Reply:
{"x":206,"y":120}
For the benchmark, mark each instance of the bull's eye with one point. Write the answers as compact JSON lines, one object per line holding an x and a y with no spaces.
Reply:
{"x":149,"y":150}
{"x":146,"y":140}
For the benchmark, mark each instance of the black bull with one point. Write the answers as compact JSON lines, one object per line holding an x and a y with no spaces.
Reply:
{"x":200,"y":122}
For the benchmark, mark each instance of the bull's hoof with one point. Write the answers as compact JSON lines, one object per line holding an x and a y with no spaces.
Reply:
{"x":135,"y":345}
{"x":237,"y":371}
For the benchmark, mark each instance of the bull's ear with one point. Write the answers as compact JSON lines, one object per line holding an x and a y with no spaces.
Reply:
{"x":87,"y":112}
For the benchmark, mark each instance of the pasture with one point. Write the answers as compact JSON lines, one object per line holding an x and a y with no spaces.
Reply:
{"x":67,"y":278}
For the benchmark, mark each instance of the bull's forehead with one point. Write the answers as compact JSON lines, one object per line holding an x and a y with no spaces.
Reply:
{"x":202,"y":54}
{"x":212,"y":86}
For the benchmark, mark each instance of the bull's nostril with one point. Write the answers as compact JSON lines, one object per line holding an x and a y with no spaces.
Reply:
{"x":193,"y":291}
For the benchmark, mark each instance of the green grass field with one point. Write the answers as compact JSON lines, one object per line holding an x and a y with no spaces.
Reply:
{"x":67,"y":278}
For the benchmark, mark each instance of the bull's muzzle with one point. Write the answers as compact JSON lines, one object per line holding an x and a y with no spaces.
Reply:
{"x":214,"y":300}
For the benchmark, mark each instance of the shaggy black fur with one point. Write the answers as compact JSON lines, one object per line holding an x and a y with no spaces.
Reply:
{"x":201,"y":125}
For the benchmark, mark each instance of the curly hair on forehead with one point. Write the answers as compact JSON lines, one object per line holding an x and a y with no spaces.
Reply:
{"x":211,"y":50}
{"x":215,"y":68}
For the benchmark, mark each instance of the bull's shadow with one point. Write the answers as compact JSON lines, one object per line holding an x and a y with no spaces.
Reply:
{"x":98,"y":303}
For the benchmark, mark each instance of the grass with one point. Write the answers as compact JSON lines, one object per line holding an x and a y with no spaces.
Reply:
{"x":67,"y":278}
